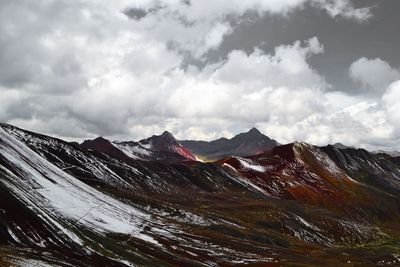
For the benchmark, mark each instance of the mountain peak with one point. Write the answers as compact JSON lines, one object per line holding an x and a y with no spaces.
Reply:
{"x":166,"y":138}
{"x":97,"y":141}
{"x":100,"y":139}
{"x":100,"y":144}
{"x":168,"y":135}
{"x":254,"y":131}
{"x":253,"y":135}
{"x":340,"y":146}
{"x":166,"y":142}
{"x":248,"y":143}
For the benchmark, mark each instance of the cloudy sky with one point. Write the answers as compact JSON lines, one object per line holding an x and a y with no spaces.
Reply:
{"x":320,"y":71}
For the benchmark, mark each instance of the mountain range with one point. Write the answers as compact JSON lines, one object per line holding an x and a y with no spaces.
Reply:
{"x":245,"y":201}
{"x":244,"y":144}
{"x":162,"y":148}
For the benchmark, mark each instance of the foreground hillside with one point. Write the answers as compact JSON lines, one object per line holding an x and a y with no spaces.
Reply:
{"x":152,"y":203}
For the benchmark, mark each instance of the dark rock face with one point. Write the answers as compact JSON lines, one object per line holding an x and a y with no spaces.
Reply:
{"x":245,"y":144}
{"x":105,"y":204}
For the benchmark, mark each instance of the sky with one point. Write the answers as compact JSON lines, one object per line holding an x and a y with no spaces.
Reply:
{"x":319,"y":71}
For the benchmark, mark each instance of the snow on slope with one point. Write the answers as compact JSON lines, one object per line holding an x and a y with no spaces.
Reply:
{"x":247,"y":164}
{"x":133,"y":151}
{"x":322,"y":159}
{"x":57,"y":196}
{"x":243,"y":180}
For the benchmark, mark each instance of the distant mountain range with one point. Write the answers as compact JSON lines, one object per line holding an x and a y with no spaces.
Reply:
{"x":154,"y":203}
{"x":245,"y":144}
{"x":166,"y":148}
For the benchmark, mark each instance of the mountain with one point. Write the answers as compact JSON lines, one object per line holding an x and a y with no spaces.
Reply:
{"x":394,"y":154}
{"x":296,"y":171}
{"x":167,"y":143}
{"x":378,"y":170}
{"x":105,"y":146}
{"x":160,"y":148}
{"x":340,"y":146}
{"x":244,"y":144}
{"x":63,"y":204}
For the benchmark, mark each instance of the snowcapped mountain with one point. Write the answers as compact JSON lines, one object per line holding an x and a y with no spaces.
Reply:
{"x":245,"y":144}
{"x":105,"y":204}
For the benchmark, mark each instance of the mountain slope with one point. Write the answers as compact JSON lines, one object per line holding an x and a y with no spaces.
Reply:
{"x":65,"y":205}
{"x":244,"y":144}
{"x":72,"y":213}
{"x":295,"y":171}
{"x":379,"y":170}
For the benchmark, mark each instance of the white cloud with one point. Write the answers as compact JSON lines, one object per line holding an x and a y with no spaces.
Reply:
{"x":392,"y":103}
{"x":215,"y":36}
{"x":288,"y":67}
{"x":374,"y":75}
{"x":363,"y":124}
{"x":344,"y":9}
{"x":251,"y":87}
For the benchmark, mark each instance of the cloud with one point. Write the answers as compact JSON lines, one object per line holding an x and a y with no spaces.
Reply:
{"x":251,"y":87}
{"x":83,"y":68}
{"x":392,"y":105}
{"x":136,"y":13}
{"x":374,"y":75}
{"x":214,"y":38}
{"x":348,"y":125}
{"x":288,"y":67}
{"x":369,"y":123}
{"x":344,"y":9}
{"x":211,"y":9}
{"x":195,"y":27}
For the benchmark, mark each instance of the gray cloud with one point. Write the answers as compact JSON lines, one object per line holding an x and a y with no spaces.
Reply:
{"x":136,"y":13}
